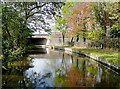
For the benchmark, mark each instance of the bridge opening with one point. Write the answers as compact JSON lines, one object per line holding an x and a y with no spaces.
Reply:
{"x":37,"y":41}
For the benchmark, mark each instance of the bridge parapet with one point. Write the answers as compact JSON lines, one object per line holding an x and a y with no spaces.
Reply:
{"x":41,"y":36}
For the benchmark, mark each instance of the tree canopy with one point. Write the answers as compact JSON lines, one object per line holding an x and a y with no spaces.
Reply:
{"x":17,"y":18}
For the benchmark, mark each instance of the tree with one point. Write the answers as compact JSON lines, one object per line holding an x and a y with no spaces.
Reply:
{"x":37,"y":14}
{"x":81,"y":19}
{"x":61,"y":26}
{"x":61,"y":21}
{"x":16,"y":19}
{"x":14,"y":34}
{"x":107,"y":16}
{"x":66,"y":11}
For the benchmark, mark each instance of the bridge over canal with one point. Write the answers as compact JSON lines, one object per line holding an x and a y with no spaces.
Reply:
{"x":45,"y":39}
{"x":39,"y":39}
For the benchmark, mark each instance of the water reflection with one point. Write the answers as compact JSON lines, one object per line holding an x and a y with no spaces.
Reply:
{"x":13,"y":75}
{"x":58,"y":69}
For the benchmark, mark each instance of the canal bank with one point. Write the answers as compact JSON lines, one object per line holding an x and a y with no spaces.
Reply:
{"x":111,"y":66}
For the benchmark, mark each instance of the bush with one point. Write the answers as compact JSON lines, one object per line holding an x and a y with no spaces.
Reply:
{"x":96,"y":43}
{"x":113,"y":43}
{"x":110,"y":43}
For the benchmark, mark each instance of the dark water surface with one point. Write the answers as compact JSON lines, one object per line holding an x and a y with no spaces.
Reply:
{"x":58,"y":69}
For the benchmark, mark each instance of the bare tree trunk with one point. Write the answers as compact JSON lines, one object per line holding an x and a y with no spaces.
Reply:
{"x":63,"y":37}
{"x":84,"y":39}
{"x":71,"y":39}
{"x":77,"y":38}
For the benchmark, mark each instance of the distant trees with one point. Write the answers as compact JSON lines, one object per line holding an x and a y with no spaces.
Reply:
{"x":61,"y":21}
{"x":81,"y":19}
{"x":98,"y":22}
{"x":61,"y":26}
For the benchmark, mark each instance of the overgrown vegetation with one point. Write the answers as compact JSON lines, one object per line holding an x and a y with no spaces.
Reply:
{"x":17,"y":18}
{"x":15,"y":32}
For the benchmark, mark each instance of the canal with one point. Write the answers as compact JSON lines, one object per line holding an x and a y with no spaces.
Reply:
{"x":50,"y":68}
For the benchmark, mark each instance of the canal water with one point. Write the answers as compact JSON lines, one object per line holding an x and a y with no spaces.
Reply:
{"x":50,"y":68}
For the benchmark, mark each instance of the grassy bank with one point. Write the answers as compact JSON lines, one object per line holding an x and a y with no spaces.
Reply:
{"x":110,"y":56}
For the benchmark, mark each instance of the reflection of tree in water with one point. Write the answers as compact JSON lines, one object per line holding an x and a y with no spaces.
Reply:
{"x":36,"y":80}
{"x":13,"y":76}
{"x":14,"y":72}
{"x":85,"y":74}
{"x":107,"y":79}
{"x":60,"y":72}
{"x":79,"y":74}
{"x":78,"y":77}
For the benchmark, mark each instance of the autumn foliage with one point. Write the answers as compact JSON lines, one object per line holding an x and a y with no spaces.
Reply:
{"x":81,"y":18}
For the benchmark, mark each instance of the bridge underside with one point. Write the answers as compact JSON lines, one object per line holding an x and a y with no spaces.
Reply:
{"x":37,"y":41}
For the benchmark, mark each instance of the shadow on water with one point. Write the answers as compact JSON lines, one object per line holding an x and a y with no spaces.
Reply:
{"x":38,"y":51}
{"x":57,"y":69}
{"x":14,"y":75}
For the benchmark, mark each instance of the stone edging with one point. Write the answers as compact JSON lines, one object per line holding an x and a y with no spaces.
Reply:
{"x":116,"y":68}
